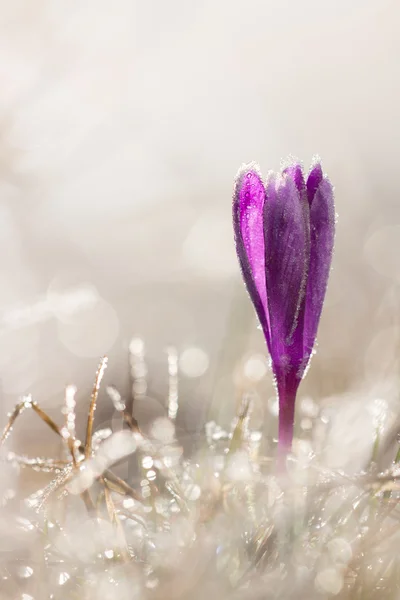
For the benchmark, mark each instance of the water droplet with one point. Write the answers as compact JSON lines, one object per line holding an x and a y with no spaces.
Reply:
{"x":255,"y":436}
{"x":329,"y":581}
{"x":25,"y":524}
{"x":239,"y":467}
{"x":25,"y":572}
{"x":152,"y":583}
{"x":193,"y":362}
{"x":163,"y":430}
{"x":193,"y":492}
{"x":63,"y":578}
{"x":306,"y":424}
{"x":255,"y":368}
{"x":136,"y":346}
{"x":308,"y":407}
{"x":128,"y":503}
{"x":116,"y":399}
{"x":147,"y":462}
{"x":151,"y":475}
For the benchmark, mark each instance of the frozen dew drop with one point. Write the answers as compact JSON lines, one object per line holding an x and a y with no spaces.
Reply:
{"x":136,"y":346}
{"x":193,"y":492}
{"x":309,"y":408}
{"x":255,"y":368}
{"x":163,"y":430}
{"x":256,"y":436}
{"x":152,"y":583}
{"x":146,"y":493}
{"x":83,"y":479}
{"x":116,"y":398}
{"x":329,"y":581}
{"x":147,"y":462}
{"x":325,"y":417}
{"x":340,"y":550}
{"x":306,"y":424}
{"x":193,"y":362}
{"x":128,"y":503}
{"x":25,"y":572}
{"x":63,"y":578}
{"x":28,"y":402}
{"x":239,"y":467}
{"x":65,"y":433}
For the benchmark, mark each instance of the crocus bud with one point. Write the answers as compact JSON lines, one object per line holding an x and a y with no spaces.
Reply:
{"x":284,"y":234}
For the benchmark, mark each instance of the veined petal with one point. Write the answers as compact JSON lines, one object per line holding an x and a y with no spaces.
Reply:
{"x":248,"y":205}
{"x":286,"y":235}
{"x":313,"y":181}
{"x":295,"y":172}
{"x":322,"y":234}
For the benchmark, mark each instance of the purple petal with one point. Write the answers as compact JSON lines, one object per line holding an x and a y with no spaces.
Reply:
{"x":248,"y":204}
{"x":295,"y":172}
{"x":322,"y":230}
{"x":313,"y":181}
{"x":286,"y":235}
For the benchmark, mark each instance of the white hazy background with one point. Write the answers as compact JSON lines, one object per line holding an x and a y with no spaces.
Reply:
{"x":122,"y":126}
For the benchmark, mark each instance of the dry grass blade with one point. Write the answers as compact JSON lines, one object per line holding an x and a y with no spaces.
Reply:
{"x":27,"y":402}
{"x":121,"y":485}
{"x":239,"y":431}
{"x":93,"y":402}
{"x":13,"y":417}
{"x":69,"y":427}
{"x":211,"y":516}
{"x":112,"y":513}
{"x":45,"y":417}
{"x":38,"y":463}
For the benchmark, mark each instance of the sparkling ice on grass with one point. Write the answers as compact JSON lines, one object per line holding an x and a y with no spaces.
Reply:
{"x":284,"y":233}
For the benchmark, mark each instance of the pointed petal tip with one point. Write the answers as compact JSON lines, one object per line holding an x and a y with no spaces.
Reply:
{"x":251,"y":167}
{"x":291,"y":162}
{"x":315,"y":160}
{"x":271,"y":177}
{"x":316,"y":173}
{"x":316,"y":167}
{"x":314,"y":180}
{"x":248,"y":186}
{"x":285,"y":180}
{"x":295,"y":173}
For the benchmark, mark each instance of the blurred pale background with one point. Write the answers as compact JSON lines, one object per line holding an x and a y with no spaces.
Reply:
{"x":122,"y":126}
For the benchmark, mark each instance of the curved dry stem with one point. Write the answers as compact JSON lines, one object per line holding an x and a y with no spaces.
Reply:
{"x":93,"y":402}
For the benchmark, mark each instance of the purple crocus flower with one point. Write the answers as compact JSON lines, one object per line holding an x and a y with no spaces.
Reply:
{"x":284,"y":234}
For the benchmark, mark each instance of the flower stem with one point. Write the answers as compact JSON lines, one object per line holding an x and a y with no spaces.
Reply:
{"x":287,"y":389}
